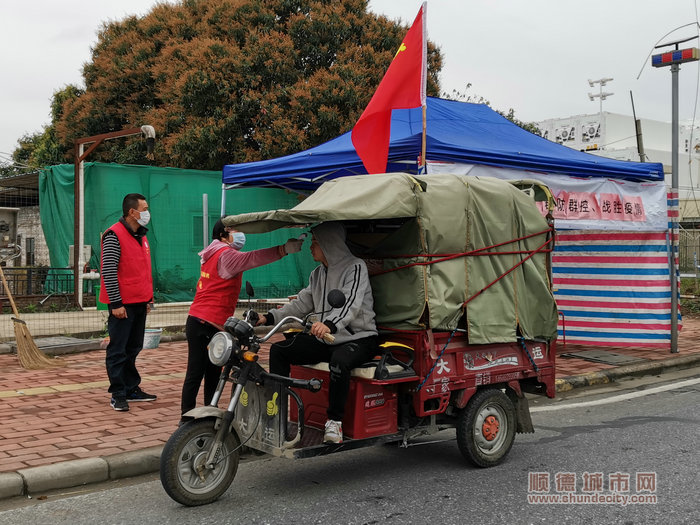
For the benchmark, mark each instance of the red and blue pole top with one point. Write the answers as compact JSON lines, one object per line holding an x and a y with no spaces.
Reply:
{"x":675,"y":57}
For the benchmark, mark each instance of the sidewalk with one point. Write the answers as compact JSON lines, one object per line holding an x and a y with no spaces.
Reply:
{"x":57,"y":429}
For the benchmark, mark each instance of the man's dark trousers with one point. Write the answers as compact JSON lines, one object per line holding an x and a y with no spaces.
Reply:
{"x":125,"y":343}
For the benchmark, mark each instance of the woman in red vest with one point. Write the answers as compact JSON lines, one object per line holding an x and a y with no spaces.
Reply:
{"x":215,"y":300}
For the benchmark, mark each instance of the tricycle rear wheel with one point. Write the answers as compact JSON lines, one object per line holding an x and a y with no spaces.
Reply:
{"x":185,"y":451}
{"x":486,"y":428}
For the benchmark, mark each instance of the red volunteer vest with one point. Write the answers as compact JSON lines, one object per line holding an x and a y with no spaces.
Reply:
{"x":134,"y":270}
{"x":216,"y":298}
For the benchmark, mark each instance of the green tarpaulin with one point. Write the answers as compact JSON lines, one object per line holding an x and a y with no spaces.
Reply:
{"x":175,"y":231}
{"x":397,"y":220}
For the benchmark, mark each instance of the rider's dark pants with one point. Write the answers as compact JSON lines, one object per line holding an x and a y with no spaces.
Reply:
{"x":125,"y":343}
{"x":199,"y":367}
{"x":305,"y":349}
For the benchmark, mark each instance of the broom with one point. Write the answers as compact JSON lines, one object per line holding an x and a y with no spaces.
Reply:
{"x":29,"y":355}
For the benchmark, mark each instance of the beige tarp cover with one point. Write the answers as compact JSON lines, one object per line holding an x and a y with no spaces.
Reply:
{"x":444,"y":215}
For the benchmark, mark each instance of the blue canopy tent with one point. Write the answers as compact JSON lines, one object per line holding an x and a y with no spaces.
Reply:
{"x":456,"y":132}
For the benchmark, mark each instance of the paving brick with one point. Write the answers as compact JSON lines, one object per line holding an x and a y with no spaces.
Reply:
{"x":107,"y":451}
{"x":71,"y":450}
{"x":26,"y":450}
{"x":20,"y":434}
{"x":87,"y":444}
{"x":53,"y":440}
{"x":49,"y":460}
{"x":114,"y":443}
{"x":11,"y":466}
{"x":22,"y":457}
{"x":150,"y":441}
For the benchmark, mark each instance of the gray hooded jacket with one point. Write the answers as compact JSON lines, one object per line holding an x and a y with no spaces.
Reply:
{"x":355,"y":319}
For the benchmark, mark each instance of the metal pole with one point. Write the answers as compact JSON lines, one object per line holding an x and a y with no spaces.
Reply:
{"x":78,"y":250}
{"x":223,"y":200}
{"x":674,"y":197}
{"x":77,"y":153}
{"x":78,"y":226}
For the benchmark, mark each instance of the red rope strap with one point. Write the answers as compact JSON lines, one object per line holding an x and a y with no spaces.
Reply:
{"x":477,"y":252}
{"x":538,"y":250}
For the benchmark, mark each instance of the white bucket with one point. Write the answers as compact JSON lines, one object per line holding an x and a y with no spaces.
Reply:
{"x":151,"y":337}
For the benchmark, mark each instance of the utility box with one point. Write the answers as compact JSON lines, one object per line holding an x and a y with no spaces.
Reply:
{"x":8,"y":234}
{"x":8,"y":226}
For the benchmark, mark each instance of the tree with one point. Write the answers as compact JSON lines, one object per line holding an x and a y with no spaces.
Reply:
{"x":227,"y":81}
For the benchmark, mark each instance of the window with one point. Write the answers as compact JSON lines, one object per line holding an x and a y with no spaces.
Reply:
{"x":30,"y":251}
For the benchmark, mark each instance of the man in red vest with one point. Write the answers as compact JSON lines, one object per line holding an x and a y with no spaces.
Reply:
{"x":127,"y":287}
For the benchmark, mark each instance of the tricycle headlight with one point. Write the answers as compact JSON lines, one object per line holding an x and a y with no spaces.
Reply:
{"x":220,"y":348}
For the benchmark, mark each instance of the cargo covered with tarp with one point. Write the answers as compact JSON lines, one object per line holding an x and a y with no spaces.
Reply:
{"x":444,"y":252}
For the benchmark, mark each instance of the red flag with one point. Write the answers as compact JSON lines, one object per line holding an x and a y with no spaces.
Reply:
{"x":402,"y":87}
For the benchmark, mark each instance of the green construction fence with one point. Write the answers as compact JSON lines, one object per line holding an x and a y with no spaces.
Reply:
{"x":175,"y":231}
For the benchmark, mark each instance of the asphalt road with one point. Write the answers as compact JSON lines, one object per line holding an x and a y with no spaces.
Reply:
{"x":610,"y":435}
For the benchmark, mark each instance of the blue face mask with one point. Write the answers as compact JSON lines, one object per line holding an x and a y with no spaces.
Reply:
{"x":238,"y":240}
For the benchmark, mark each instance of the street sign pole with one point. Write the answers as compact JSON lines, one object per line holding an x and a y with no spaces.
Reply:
{"x":674,"y":198}
{"x":674,"y":59}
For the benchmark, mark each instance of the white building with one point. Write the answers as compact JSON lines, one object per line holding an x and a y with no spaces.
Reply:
{"x":613,"y":135}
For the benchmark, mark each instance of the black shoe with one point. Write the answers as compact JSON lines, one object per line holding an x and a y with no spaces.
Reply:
{"x":140,"y":395}
{"x":119,"y":404}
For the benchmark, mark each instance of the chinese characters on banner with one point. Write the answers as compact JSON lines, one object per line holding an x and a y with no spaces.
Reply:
{"x":577,"y":205}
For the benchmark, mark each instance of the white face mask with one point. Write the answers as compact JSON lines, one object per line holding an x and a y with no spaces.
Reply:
{"x":145,"y":218}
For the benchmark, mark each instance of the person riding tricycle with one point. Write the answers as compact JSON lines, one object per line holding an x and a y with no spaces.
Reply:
{"x":465,"y":325}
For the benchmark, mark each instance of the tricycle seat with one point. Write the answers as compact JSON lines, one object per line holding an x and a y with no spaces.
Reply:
{"x":385,"y":365}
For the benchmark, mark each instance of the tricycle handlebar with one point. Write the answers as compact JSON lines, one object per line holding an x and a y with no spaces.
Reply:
{"x":279,"y":325}
{"x":327,"y":337}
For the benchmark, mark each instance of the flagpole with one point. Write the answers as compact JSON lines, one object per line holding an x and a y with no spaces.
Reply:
{"x":423,"y":169}
{"x":402,"y":87}
{"x":423,"y":87}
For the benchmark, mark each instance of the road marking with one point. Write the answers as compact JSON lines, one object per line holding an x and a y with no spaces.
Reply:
{"x":618,"y":398}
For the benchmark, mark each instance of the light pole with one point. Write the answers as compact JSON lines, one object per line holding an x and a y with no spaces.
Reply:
{"x":673,"y":59}
{"x":601,"y":95}
{"x":80,"y":154}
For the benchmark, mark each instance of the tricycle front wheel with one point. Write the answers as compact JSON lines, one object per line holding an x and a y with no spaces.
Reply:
{"x":182,"y":471}
{"x":486,"y":428}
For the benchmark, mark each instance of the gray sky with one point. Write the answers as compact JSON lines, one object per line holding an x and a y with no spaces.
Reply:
{"x":534,"y":56}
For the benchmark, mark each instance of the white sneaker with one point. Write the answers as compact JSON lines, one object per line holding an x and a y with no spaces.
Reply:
{"x":333,"y":432}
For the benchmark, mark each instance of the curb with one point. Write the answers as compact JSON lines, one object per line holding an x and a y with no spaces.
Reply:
{"x":66,"y":474}
{"x":603,"y":377}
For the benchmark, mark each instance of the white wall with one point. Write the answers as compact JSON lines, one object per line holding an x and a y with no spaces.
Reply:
{"x":615,"y":138}
{"x":29,"y":226}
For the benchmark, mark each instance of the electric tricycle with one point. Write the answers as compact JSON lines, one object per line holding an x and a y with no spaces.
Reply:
{"x":441,"y":363}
